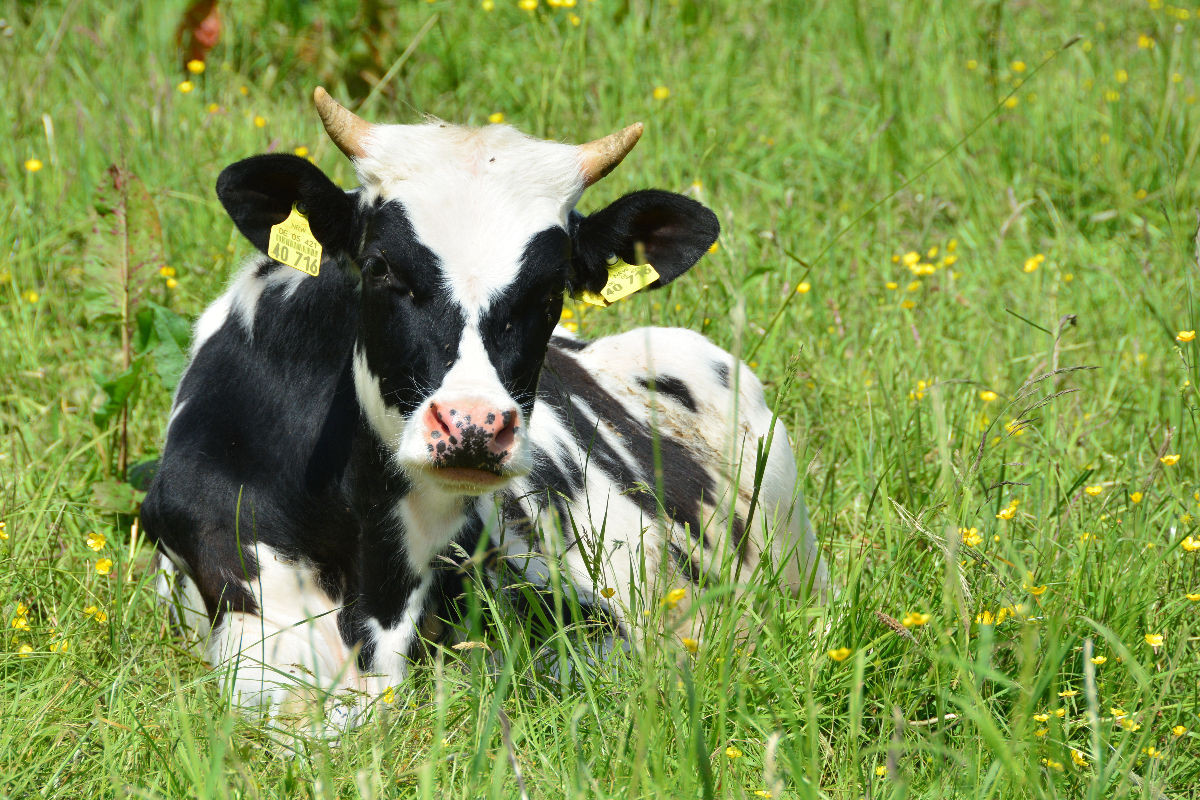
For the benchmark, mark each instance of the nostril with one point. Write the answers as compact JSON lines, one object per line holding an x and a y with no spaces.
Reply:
{"x":508,"y":432}
{"x":436,"y":413}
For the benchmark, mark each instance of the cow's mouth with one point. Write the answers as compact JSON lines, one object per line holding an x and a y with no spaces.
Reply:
{"x":468,"y":480}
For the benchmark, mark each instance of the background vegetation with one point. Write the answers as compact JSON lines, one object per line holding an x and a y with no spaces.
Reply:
{"x":972,"y":248}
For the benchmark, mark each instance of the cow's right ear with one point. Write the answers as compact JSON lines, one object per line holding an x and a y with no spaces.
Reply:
{"x":260,"y":191}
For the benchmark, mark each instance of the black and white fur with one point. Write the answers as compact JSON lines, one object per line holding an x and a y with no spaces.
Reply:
{"x":309,"y":529}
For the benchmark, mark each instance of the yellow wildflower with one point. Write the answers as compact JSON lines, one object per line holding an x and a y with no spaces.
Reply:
{"x":970,"y":536}
{"x":985,"y":617}
{"x":1011,"y":102}
{"x":1153,"y":752}
{"x":1129,"y":725}
{"x":301,"y":151}
{"x":987,"y":395}
{"x":1036,"y":591}
{"x":907,"y":304}
{"x":1060,"y":712}
{"x":389,"y":695}
{"x":213,"y":108}
{"x":733,"y":752}
{"x":1136,"y":497}
{"x":528,"y":5}
{"x":24,"y":650}
{"x":840,"y":653}
{"x":881,"y":770}
{"x":96,"y":541}
{"x":1033,"y":262}
{"x":803,"y":287}
{"x":1040,"y":732}
{"x":1098,"y":660}
{"x":1014,"y":428}
{"x":1042,"y":717}
{"x":1145,"y":42}
{"x":661,"y":93}
{"x":972,"y":64}
{"x":1170,"y":459}
{"x":104,"y":566}
{"x":20,"y":623}
{"x":607,"y":592}
{"x":59,"y":647}
{"x":3,"y":530}
{"x":574,"y":19}
{"x":1185,"y":336}
{"x":1094,"y":491}
{"x":489,"y":5}
{"x":673,"y":597}
{"x":1154,"y":639}
{"x":1017,"y":66}
{"x":166,"y":272}
{"x":31,"y":296}
{"x":186,"y":86}
{"x":1179,"y":730}
{"x":1068,"y":693}
{"x":1193,"y":596}
{"x":1086,"y":537}
{"x":1118,"y":713}
{"x":33,"y":165}
{"x":1077,"y":758}
{"x":1190,"y":543}
{"x":260,"y":121}
{"x":496,"y":117}
{"x":195,"y":66}
{"x":1051,"y":764}
{"x":1007,"y":512}
{"x":172,"y":283}
{"x":1122,"y":76}
{"x":891,"y":286}
{"x":691,"y":644}
{"x":763,"y":793}
{"x":915,"y":619}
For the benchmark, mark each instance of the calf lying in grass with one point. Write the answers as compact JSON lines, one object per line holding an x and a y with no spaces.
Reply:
{"x":350,"y":431}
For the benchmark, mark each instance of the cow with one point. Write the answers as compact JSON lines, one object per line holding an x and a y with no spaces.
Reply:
{"x":346,"y":449}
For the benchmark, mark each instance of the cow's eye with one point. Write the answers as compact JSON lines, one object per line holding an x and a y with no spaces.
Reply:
{"x":379,"y":272}
{"x":374,"y":267}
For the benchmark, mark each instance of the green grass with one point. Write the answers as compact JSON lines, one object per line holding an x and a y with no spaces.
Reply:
{"x":830,"y":137}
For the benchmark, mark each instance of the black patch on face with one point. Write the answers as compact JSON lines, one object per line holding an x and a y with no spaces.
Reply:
{"x":517,"y":326}
{"x":410,"y":326}
{"x":721,"y":368}
{"x":671,"y":387}
{"x":684,"y":480}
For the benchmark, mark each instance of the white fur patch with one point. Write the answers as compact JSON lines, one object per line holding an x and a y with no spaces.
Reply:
{"x":475,"y":197}
{"x":392,"y":644}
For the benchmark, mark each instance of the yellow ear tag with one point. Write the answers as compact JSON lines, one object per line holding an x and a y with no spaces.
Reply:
{"x":623,"y":280}
{"x":292,"y":243}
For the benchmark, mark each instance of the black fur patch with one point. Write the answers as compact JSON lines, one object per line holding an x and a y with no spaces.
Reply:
{"x":671,"y":387}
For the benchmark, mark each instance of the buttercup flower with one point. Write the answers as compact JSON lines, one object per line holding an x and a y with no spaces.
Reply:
{"x":96,"y":541}
{"x":186,"y":86}
{"x":733,"y":752}
{"x":1098,"y":660}
{"x":987,"y":395}
{"x":840,"y":653}
{"x":691,"y":644}
{"x":673,"y":597}
{"x":104,"y":566}
{"x":661,"y":92}
{"x":607,"y":592}
{"x":195,"y":66}
{"x":1185,"y":336}
{"x":1154,"y":639}
{"x":1135,"y":497}
{"x":915,"y":619}
{"x":496,"y":117}
{"x":33,"y":165}
{"x":1094,"y":491}
{"x":1190,"y":543}
{"x":1170,"y":460}
{"x":1178,"y":730}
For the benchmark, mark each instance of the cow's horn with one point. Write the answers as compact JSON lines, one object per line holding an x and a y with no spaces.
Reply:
{"x":600,"y":157}
{"x":345,"y":128}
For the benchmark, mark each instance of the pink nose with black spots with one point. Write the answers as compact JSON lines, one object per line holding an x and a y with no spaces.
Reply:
{"x":470,"y":434}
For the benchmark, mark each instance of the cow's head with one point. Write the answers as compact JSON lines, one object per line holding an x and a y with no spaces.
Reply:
{"x":466,"y":240}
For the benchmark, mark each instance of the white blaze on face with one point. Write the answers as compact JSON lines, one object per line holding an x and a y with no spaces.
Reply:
{"x":475,"y":197}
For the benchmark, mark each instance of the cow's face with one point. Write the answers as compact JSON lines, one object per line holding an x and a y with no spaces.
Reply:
{"x":465,"y":241}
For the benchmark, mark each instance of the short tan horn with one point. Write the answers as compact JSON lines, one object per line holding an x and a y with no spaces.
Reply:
{"x":600,"y":157}
{"x":345,"y":128}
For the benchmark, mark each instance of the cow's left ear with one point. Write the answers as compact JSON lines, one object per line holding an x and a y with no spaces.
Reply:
{"x":671,"y":231}
{"x":259,"y":192}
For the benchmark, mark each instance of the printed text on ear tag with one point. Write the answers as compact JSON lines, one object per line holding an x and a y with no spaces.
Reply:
{"x":292,"y":243}
{"x":623,"y":280}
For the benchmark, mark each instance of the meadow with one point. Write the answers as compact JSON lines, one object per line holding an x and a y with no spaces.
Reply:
{"x":959,"y":245}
